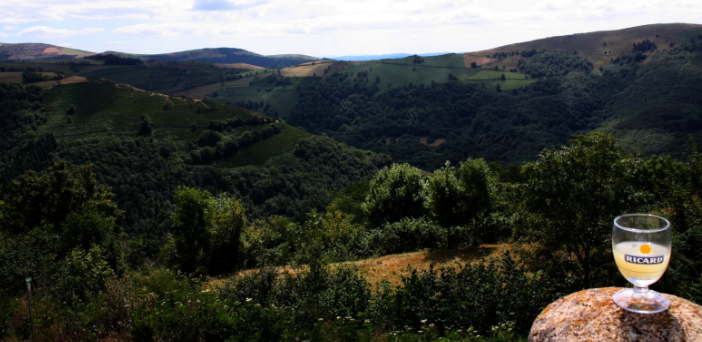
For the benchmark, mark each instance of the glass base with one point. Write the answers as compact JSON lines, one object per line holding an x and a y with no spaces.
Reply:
{"x":641,"y":300}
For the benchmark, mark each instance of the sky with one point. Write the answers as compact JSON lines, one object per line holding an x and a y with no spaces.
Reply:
{"x":321,"y":28}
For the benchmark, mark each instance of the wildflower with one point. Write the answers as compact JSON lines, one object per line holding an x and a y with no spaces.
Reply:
{"x":320,"y":319}
{"x":366,"y":321}
{"x":420,"y":332}
{"x":423,"y":321}
{"x":338,"y":318}
{"x":248,"y":299}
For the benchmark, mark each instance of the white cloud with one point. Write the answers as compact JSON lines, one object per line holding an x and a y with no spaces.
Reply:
{"x":49,"y":32}
{"x":380,"y":25}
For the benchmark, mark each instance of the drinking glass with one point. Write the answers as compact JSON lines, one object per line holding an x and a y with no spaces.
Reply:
{"x":641,"y":245}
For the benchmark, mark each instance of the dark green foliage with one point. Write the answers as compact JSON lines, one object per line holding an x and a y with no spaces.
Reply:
{"x":660,"y":103}
{"x":111,"y":59}
{"x":395,"y":193}
{"x":575,"y":192}
{"x":21,"y":114}
{"x":51,"y":198}
{"x":478,"y":295}
{"x":206,"y":233}
{"x":475,"y":121}
{"x":209,"y":138}
{"x":191,"y":224}
{"x":31,"y":75}
{"x":62,"y":228}
{"x":644,"y":46}
{"x":145,"y":182}
{"x":407,"y":235}
{"x":554,"y":63}
{"x":146,"y":127}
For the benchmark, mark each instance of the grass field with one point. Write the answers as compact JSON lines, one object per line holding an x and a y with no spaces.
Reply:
{"x":396,"y":74}
{"x":306,"y":70}
{"x":242,"y":66}
{"x":8,"y":77}
{"x":392,"y":268}
{"x":74,"y":52}
{"x":496,"y":75}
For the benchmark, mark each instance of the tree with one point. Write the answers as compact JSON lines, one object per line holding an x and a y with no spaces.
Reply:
{"x":228,"y":222}
{"x":191,"y":226}
{"x":502,"y":78}
{"x":395,"y":193}
{"x":206,"y":231}
{"x":49,"y":218}
{"x":147,"y":126}
{"x":49,"y":198}
{"x":572,"y":194}
{"x":473,"y":65}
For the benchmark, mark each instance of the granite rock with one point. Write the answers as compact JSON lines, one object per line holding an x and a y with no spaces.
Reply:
{"x":591,"y":315}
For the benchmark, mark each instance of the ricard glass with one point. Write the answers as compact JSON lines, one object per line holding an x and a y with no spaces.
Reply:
{"x":641,"y":244}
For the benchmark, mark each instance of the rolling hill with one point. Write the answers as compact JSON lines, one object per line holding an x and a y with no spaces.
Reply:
{"x":598,"y":47}
{"x":506,"y":103}
{"x":33,"y":51}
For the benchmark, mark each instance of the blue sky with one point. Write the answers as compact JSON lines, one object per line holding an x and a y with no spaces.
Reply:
{"x":321,"y":27}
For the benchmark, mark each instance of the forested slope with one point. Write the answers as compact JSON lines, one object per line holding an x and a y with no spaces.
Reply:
{"x":651,"y":106}
{"x":146,"y":161}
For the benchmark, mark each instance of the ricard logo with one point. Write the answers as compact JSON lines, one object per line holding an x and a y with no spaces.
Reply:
{"x":633,"y":259}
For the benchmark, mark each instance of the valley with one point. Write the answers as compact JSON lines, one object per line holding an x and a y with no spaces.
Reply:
{"x":224,"y":194}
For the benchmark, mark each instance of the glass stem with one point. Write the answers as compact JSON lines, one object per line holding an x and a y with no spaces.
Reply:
{"x":640,"y":290}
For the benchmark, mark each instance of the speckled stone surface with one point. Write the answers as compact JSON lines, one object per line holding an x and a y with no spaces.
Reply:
{"x":591,"y":315}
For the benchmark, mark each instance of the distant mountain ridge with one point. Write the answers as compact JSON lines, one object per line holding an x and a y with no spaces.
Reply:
{"x":41,"y":51}
{"x":29,"y":51}
{"x":359,"y":58}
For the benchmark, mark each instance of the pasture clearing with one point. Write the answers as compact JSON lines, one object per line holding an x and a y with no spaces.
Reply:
{"x":75,"y":52}
{"x":392,"y":74}
{"x":311,"y":69}
{"x":484,"y":75}
{"x":469,"y":58}
{"x":392,"y":268}
{"x":10,"y":76}
{"x":241,"y":66}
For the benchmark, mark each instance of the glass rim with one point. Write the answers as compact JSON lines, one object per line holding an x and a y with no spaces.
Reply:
{"x":636,"y":230}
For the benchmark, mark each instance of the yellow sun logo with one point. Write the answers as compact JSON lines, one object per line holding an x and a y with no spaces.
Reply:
{"x":645,"y":249}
